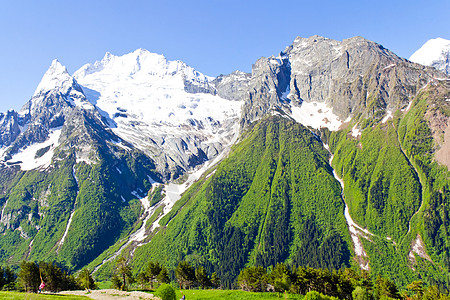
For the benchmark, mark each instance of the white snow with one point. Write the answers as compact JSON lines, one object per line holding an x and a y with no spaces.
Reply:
{"x":408,"y":107}
{"x":355,"y":131}
{"x":432,"y":50}
{"x":355,"y":230}
{"x":67,"y":229}
{"x":387,"y":117}
{"x":56,"y":77}
{"x":61,"y":242}
{"x":316,"y":115}
{"x":2,"y":151}
{"x":26,"y":156}
{"x":140,"y":234}
{"x":144,"y":94}
{"x":2,"y":217}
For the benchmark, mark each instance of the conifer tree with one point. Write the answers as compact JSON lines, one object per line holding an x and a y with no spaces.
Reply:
{"x":202,"y":278}
{"x":29,"y":276}
{"x":85,"y":280}
{"x":124,"y":273}
{"x":163,"y":276}
{"x":185,"y":274}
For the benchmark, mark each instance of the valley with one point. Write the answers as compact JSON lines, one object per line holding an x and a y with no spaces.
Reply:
{"x":328,"y":155}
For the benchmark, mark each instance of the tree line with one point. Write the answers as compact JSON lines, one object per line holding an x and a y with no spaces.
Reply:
{"x":156,"y":274}
{"x":315,"y":283}
{"x":31,"y":274}
{"x":340,"y":284}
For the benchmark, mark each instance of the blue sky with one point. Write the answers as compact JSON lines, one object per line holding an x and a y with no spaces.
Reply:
{"x":213,"y":36}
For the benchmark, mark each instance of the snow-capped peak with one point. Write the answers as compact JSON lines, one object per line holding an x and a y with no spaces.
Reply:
{"x":140,"y":64}
{"x":56,"y":77}
{"x":130,"y":64}
{"x":436,"y":53}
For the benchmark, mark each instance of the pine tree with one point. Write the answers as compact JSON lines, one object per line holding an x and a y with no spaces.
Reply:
{"x":29,"y":276}
{"x":215,"y":280}
{"x":163,"y":276}
{"x":202,"y":278}
{"x":2,"y":278}
{"x":152,"y":271}
{"x":124,"y":273}
{"x":185,"y":274}
{"x":85,"y":280}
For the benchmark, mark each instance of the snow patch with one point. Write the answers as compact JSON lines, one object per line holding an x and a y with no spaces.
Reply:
{"x":67,"y":229}
{"x":356,"y":231}
{"x":2,"y":217}
{"x":317,"y":115}
{"x":387,"y":117}
{"x":408,"y":107}
{"x":61,"y":242}
{"x":27,"y":157}
{"x":355,"y":131}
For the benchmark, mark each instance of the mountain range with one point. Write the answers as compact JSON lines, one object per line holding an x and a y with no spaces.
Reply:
{"x":330,"y":154}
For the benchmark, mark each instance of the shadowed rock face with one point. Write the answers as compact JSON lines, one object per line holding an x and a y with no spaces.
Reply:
{"x":9,"y":124}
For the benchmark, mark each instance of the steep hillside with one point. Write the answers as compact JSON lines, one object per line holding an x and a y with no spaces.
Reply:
{"x":273,"y":199}
{"x":70,"y":186}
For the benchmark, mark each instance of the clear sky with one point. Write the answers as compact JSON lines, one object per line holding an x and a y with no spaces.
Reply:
{"x":213,"y":36}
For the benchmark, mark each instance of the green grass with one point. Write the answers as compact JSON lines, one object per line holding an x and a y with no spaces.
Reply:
{"x":30,"y":296}
{"x":232,"y":294}
{"x":104,"y":285}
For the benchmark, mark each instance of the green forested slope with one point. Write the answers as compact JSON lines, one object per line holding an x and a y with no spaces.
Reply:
{"x":395,"y":188}
{"x":273,"y":199}
{"x":39,"y":202}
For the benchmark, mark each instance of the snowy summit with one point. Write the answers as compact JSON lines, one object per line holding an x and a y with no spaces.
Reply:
{"x":56,"y":77}
{"x":435,"y":53}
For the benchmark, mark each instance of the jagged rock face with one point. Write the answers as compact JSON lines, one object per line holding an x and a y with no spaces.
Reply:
{"x":234,"y":86}
{"x":269,"y":81}
{"x":9,"y":127}
{"x":355,"y":76}
{"x":57,"y":96}
{"x":351,"y":75}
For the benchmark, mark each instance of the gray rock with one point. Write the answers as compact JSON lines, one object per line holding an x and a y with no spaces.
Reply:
{"x":233,"y":86}
{"x":354,"y":77}
{"x":9,"y":127}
